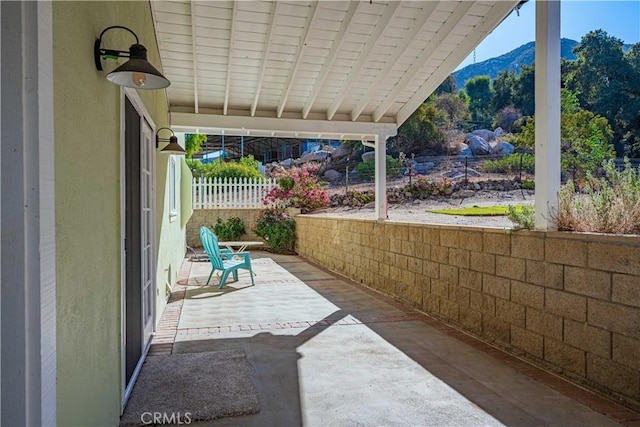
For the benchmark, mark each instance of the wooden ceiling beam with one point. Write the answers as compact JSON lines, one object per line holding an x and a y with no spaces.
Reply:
{"x":298,"y":59}
{"x":382,"y":24}
{"x":420,"y":22}
{"x":265,"y":57}
{"x":499,"y":11}
{"x":234,"y":15}
{"x":194,"y":50}
{"x":331,"y":57}
{"x":456,"y":16}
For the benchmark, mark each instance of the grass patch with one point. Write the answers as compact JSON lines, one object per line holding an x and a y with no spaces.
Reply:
{"x":478,"y":210}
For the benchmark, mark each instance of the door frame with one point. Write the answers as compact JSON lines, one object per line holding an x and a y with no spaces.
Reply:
{"x":136,"y":101}
{"x":28,"y":357}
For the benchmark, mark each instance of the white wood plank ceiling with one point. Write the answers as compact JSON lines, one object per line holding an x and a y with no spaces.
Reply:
{"x":312,"y":68}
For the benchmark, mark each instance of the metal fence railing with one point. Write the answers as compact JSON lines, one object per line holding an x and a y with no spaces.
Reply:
{"x":459,"y":168}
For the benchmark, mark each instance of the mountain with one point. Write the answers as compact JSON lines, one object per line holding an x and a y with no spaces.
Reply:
{"x":523,"y":55}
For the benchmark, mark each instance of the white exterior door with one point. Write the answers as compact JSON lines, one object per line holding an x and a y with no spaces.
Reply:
{"x":147,"y":220}
{"x":138,"y":257}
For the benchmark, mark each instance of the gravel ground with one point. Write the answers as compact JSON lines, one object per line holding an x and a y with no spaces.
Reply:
{"x":416,"y":211}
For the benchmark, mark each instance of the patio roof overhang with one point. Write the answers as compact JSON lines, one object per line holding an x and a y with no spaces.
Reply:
{"x":324,"y":69}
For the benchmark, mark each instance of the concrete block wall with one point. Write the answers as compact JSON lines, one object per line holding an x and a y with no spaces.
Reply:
{"x":569,"y":302}
{"x":208,"y":217}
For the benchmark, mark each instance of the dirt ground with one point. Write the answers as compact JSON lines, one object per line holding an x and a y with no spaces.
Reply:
{"x":416,"y":211}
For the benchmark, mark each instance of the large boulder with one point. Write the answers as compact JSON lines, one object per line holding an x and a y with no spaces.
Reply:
{"x":332,"y":175}
{"x":369,"y":155}
{"x":503,"y":148}
{"x":498,"y":132}
{"x":321,"y":155}
{"x":287,"y":163}
{"x":341,"y":152}
{"x":472,"y":172}
{"x":464,"y":151}
{"x":478,"y":145}
{"x":317,"y":156}
{"x":485,"y":134}
{"x":423,"y":167}
{"x":328,"y":148}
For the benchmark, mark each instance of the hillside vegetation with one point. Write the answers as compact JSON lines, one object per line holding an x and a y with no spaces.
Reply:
{"x":512,"y":61}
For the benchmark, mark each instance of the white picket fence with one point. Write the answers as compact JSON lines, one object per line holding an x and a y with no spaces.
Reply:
{"x":225,"y":193}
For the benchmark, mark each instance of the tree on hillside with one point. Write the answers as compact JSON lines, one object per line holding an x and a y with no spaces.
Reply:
{"x":524,"y":91}
{"x":584,"y":136}
{"x":629,"y":117}
{"x":600,"y":72}
{"x":447,"y":86}
{"x":506,"y":118}
{"x":480,"y":94}
{"x":503,"y":88}
{"x":419,"y":134}
{"x":604,"y":79}
{"x":193,"y":143}
{"x":455,"y":109}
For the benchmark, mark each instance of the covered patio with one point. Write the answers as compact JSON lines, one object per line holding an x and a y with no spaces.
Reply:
{"x":324,"y":350}
{"x":340,"y":69}
{"x":352,"y":70}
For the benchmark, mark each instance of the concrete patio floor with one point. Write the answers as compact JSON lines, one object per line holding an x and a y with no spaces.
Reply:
{"x":328,"y":352}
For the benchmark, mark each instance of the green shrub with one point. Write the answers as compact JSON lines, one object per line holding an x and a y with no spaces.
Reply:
{"x":222,"y":169}
{"x":523,"y":216}
{"x":193,"y":143}
{"x":366,"y":169}
{"x":528,"y":184}
{"x":511,"y":164}
{"x":231,"y":229}
{"x":247,"y":167}
{"x":585,"y":137}
{"x":250,"y":162}
{"x":286,"y":182}
{"x":361,"y":197}
{"x":277,"y":229}
{"x":197,"y":167}
{"x":604,"y":205}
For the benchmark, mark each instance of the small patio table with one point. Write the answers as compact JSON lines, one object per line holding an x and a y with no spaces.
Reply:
{"x":234,"y":247}
{"x":238,"y":246}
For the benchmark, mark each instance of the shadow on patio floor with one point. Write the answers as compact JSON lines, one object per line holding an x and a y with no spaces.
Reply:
{"x":327,"y":352}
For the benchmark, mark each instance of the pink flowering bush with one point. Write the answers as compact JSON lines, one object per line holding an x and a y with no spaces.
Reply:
{"x":298,"y":188}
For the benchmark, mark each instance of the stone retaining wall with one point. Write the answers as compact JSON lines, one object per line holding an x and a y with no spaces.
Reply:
{"x":568,"y":302}
{"x":208,"y":217}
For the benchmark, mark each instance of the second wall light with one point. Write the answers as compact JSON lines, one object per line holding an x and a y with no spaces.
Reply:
{"x":172,"y":147}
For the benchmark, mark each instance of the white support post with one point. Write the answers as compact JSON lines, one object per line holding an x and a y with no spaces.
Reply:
{"x":27,"y":229}
{"x":547,"y":96}
{"x":381,"y":177}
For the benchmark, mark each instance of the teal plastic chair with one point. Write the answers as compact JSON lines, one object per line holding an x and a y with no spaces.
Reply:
{"x":223,"y":259}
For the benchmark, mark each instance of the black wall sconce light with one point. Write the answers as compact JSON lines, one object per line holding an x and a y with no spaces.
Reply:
{"x":137,"y":72}
{"x":172,"y":147}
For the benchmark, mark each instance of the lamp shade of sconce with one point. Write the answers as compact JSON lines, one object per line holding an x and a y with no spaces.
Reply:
{"x":137,"y":72}
{"x":172,"y":147}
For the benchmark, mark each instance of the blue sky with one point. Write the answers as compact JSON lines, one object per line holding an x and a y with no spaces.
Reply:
{"x":620,"y":19}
